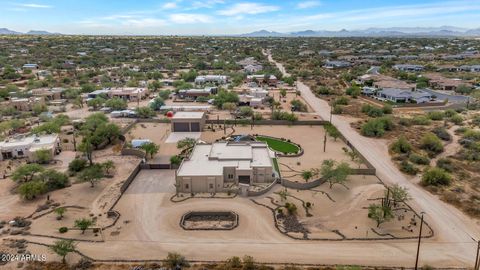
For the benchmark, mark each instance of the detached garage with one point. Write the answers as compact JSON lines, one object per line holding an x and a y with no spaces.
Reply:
{"x":188,"y":122}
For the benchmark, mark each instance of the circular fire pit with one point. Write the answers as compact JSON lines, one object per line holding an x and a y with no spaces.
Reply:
{"x":209,"y":220}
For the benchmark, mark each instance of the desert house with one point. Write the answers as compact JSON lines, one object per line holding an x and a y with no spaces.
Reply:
{"x":404,"y":96}
{"x":408,"y":67}
{"x":270,"y":80}
{"x":336,"y":64}
{"x":195,"y":93}
{"x":217,"y":167}
{"x":22,"y":147}
{"x":25,"y":104}
{"x":48,"y":94}
{"x":215,"y":79}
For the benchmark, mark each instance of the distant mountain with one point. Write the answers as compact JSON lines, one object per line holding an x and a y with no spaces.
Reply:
{"x":40,"y":32}
{"x":442,"y":31}
{"x":264,"y":33}
{"x":5,"y":31}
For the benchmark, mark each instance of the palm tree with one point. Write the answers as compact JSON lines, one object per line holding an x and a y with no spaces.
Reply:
{"x":150,"y":148}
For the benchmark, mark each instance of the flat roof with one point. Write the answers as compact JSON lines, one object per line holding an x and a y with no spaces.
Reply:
{"x":32,"y":141}
{"x":188,"y":115}
{"x":211,"y":159}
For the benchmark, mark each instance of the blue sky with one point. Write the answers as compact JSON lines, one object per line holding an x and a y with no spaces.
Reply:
{"x":196,"y":17}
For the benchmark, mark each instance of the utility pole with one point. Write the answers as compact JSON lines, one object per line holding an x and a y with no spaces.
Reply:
{"x":476,"y":258}
{"x":419,"y":240}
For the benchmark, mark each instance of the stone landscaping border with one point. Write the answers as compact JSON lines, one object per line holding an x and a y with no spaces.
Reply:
{"x":209,"y":213}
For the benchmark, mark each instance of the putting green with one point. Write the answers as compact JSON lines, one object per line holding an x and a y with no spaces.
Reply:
{"x":278,"y":145}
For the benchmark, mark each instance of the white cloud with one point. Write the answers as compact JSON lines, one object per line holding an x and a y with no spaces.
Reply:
{"x":169,"y":5}
{"x":247,"y":8}
{"x":308,"y":4}
{"x":32,"y":5}
{"x":206,"y":3}
{"x":186,"y":18}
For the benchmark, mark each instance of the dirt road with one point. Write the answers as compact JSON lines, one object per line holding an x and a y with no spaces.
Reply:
{"x":450,"y":224}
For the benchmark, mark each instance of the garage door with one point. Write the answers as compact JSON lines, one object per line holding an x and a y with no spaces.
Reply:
{"x":244,"y":179}
{"x":195,"y":127}
{"x":181,"y":127}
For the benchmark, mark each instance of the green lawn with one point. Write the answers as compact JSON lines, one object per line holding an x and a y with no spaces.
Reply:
{"x":279,"y":145}
{"x":275,"y":164}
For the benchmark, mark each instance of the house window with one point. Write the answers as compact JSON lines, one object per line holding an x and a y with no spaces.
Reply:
{"x":20,"y":152}
{"x":230,"y":176}
{"x":211,"y":186}
{"x":186,"y":186}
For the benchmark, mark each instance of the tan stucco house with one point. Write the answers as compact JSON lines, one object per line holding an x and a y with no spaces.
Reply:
{"x":216,"y":167}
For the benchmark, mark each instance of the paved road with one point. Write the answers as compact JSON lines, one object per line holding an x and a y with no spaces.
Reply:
{"x":450,"y":224}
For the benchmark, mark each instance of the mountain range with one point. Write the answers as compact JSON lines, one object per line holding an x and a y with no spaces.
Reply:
{"x":442,"y":31}
{"x":5,"y":31}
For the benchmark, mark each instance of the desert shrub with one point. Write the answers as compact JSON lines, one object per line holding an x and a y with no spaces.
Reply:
{"x":377,"y":127}
{"x":280,"y":115}
{"x":431,"y":143}
{"x":77,"y":165}
{"x":258,"y":116}
{"x":323,"y":90}
{"x":298,"y":105}
{"x":421,"y":120}
{"x":456,"y":119}
{"x":366,"y":108}
{"x":291,"y":208}
{"x":337,"y":109}
{"x":436,"y":115}
{"x":341,"y":101}
{"x":387,"y":109}
{"x":449,"y":113}
{"x":406,"y":122}
{"x":233,"y":262}
{"x":408,"y":168}
{"x":442,"y":133}
{"x":387,"y":123}
{"x":372,"y":111}
{"x":476,"y":120}
{"x":62,"y":229}
{"x":353,"y":91}
{"x":245,"y":112}
{"x":419,"y":159}
{"x":375,"y":112}
{"x":436,"y":177}
{"x":401,"y":146}
{"x":446,"y":164}
{"x":373,"y":128}
{"x":472,"y":134}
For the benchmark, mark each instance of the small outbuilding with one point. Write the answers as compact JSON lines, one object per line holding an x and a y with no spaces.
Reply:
{"x":188,"y":121}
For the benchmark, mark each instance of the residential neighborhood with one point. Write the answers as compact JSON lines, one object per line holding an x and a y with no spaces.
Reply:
{"x":259,"y":135}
